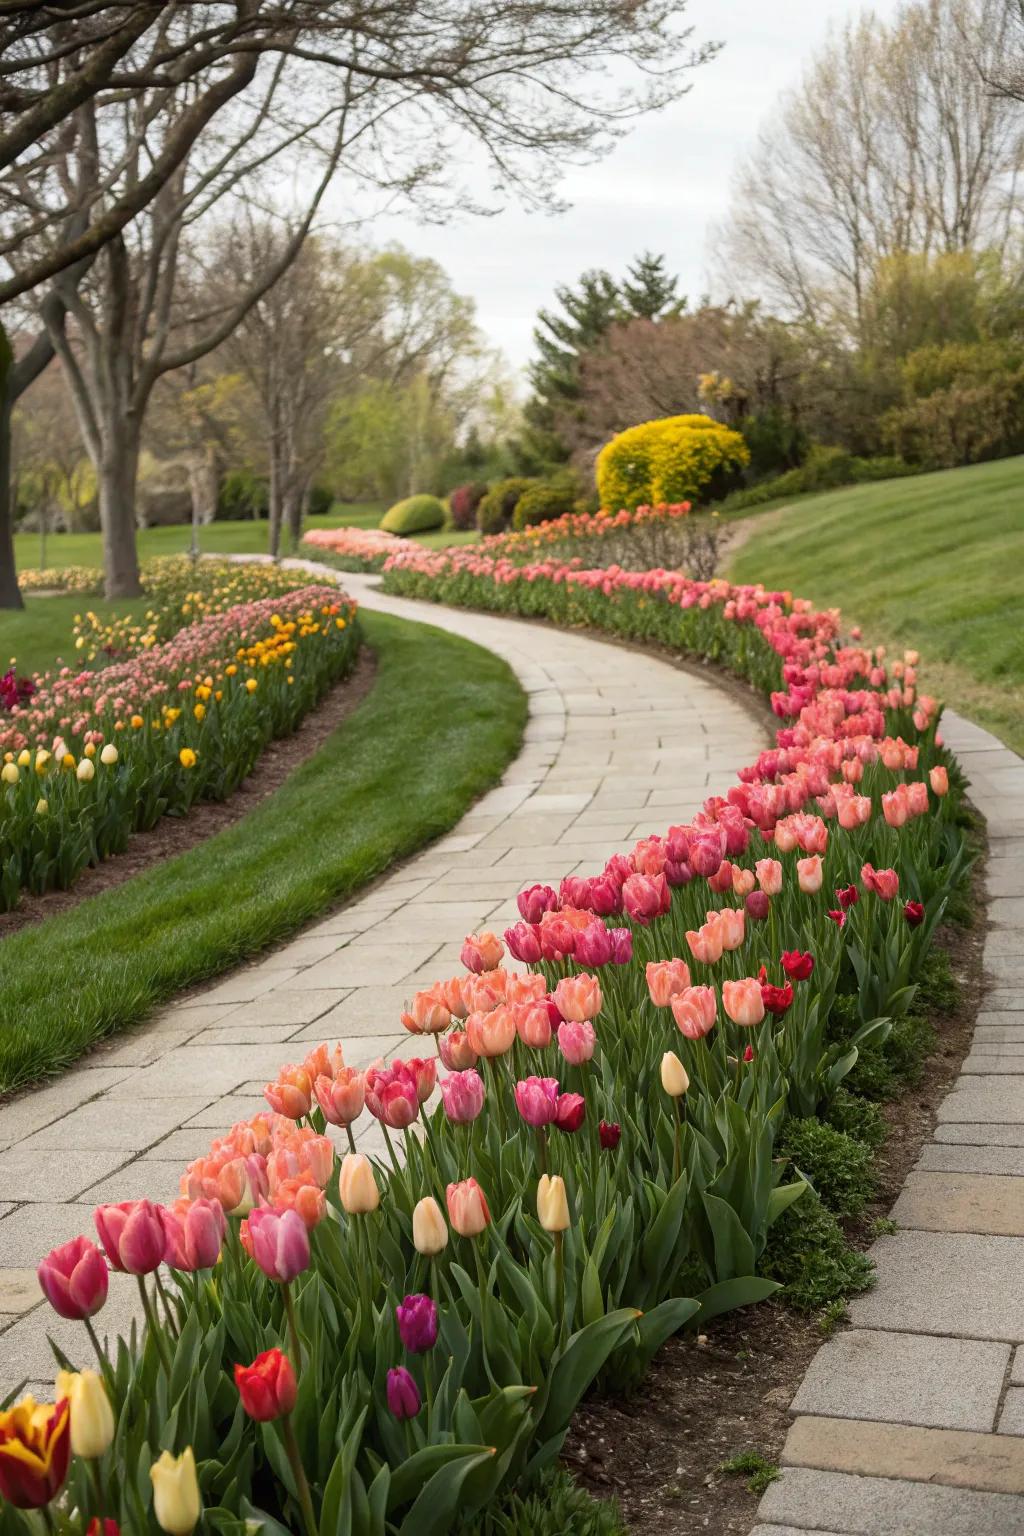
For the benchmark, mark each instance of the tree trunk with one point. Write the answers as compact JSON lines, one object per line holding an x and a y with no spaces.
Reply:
{"x":204,"y":482}
{"x":117,"y":472}
{"x":10,"y":593}
{"x":275,"y":508}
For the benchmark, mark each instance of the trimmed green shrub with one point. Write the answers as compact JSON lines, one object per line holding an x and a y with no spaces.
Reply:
{"x":825,"y":469}
{"x":416,"y":514}
{"x":494,"y":514}
{"x":559,"y":1506}
{"x":543,"y":501}
{"x":463,"y":502}
{"x":858,"y":1118}
{"x":838,"y":1167}
{"x":809,"y":1256}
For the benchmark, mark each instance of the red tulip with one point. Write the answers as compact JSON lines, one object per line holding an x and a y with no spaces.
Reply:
{"x":914,"y":913}
{"x":796,"y":965}
{"x":268,"y":1388}
{"x":610,"y":1135}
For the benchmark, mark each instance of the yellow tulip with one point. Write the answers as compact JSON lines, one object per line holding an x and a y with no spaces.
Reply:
{"x":42,"y":807}
{"x":92,"y":1418}
{"x":86,"y":771}
{"x":176,"y":1502}
{"x":357,"y":1185}
{"x":674,"y":1078}
{"x":24,"y":758}
{"x":552,"y":1205}
{"x":108,"y":757}
{"x":187,"y":758}
{"x":429,"y":1230}
{"x":10,"y":774}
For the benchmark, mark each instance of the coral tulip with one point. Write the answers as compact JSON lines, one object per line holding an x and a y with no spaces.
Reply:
{"x":482,"y":952}
{"x":706,"y":944}
{"x":341,"y":1098}
{"x":769,"y":876}
{"x":666,"y":979}
{"x":268,"y":1388}
{"x":578,"y":998}
{"x":533,"y":1024}
{"x":695,"y":1011}
{"x":74,"y":1279}
{"x":938,"y":778}
{"x":467,"y":1208}
{"x":809,"y":874}
{"x":491,"y":1034}
{"x":884,"y":882}
{"x":457,"y":1053}
{"x":742,"y":1001}
{"x":427,"y":1014}
{"x":292,"y":1094}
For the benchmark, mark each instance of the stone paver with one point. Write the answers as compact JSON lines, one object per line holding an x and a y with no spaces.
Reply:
{"x":619,"y":743}
{"x":912,"y":1422}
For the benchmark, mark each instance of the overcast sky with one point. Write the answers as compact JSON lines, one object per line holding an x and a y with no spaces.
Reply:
{"x":661,"y":188}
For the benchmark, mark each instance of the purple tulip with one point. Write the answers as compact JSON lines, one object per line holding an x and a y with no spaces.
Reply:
{"x":622,"y":939}
{"x":417,"y":1323}
{"x":403,"y":1394}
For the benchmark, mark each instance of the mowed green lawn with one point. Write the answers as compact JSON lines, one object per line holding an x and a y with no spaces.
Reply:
{"x":223,"y":538}
{"x":935,"y":563}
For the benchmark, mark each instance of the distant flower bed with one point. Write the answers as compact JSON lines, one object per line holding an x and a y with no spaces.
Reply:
{"x":670,"y":535}
{"x":92,"y":756}
{"x":585,"y":1159}
{"x":64,"y":578}
{"x":365,"y":548}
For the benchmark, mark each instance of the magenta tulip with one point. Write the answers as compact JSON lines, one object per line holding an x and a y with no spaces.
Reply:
{"x":74,"y":1279}
{"x":132,"y":1234}
{"x":277,"y":1241}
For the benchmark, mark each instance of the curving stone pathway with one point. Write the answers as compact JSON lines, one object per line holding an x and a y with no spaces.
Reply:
{"x":618,"y":744}
{"x":911,"y":1422}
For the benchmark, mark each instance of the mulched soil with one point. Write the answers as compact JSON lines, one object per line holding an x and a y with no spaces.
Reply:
{"x":711,"y":1397}
{"x":173,"y":834}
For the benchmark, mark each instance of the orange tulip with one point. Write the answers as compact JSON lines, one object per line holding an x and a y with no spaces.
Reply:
{"x":35,"y":1447}
{"x":491,"y":1034}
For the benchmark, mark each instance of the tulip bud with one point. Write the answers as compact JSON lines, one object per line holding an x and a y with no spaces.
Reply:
{"x":429,"y":1231}
{"x":674,"y":1077}
{"x":74,"y":1279}
{"x":108,"y":757}
{"x":417,"y":1323}
{"x":176,"y":1502}
{"x":10,"y":774}
{"x":85,"y":772}
{"x":552,"y":1205}
{"x":403,"y":1394}
{"x":92,"y":1418}
{"x":467,"y":1208}
{"x":357,"y":1185}
{"x":267,"y":1387}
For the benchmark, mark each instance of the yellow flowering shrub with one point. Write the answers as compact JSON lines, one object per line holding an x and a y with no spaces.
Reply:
{"x":670,"y":460}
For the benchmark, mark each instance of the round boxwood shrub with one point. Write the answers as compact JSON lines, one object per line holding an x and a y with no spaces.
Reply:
{"x":463,"y":502}
{"x":542,"y":501}
{"x":494,"y":514}
{"x":416,"y":514}
{"x":679,"y":458}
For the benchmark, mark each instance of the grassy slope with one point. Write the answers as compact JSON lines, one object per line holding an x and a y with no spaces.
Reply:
{"x":387,"y":781}
{"x":40,"y":634}
{"x":935,"y":562}
{"x":226,"y":538}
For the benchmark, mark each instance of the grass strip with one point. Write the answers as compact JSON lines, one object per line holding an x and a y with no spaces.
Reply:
{"x":443,"y":720}
{"x":933,"y":562}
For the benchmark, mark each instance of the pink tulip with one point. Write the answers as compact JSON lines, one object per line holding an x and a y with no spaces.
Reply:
{"x":732,"y":925}
{"x":884,"y":882}
{"x":706,"y":943}
{"x":605,"y":896}
{"x":523,"y":940}
{"x":665,"y":979}
{"x":646,"y":897}
{"x":456,"y":1052}
{"x":482,"y":952}
{"x":769,"y":876}
{"x":423,"y":1071}
{"x":785,"y":837}
{"x":462,"y":1094}
{"x":277,"y":1241}
{"x":721,"y":880}
{"x":74,"y":1279}
{"x":391,"y":1095}
{"x":570,"y":1112}
{"x":132,"y":1235}
{"x":194,"y":1232}
{"x":576,"y":1041}
{"x":809,"y":874}
{"x":594,"y":945}
{"x":705,"y":852}
{"x":622,"y":942}
{"x":535,"y":901}
{"x":695,"y":1011}
{"x":557,"y":936}
{"x":742,"y":1001}
{"x":578,"y":997}
{"x":537,"y":1100}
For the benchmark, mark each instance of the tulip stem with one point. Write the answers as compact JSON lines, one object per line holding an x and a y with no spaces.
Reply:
{"x":293,"y":1327}
{"x":153,"y":1324}
{"x":677,"y":1156}
{"x":351,"y":1138}
{"x":101,"y":1493}
{"x":48,"y":1520}
{"x":560,"y":1284}
{"x":291,"y":1446}
{"x":105,"y":1366}
{"x":171,"y":1324}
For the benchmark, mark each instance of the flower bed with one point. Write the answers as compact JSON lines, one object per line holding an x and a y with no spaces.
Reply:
{"x":64,"y":578}
{"x":358,"y":549}
{"x":382,"y":1347}
{"x":91,"y":757}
